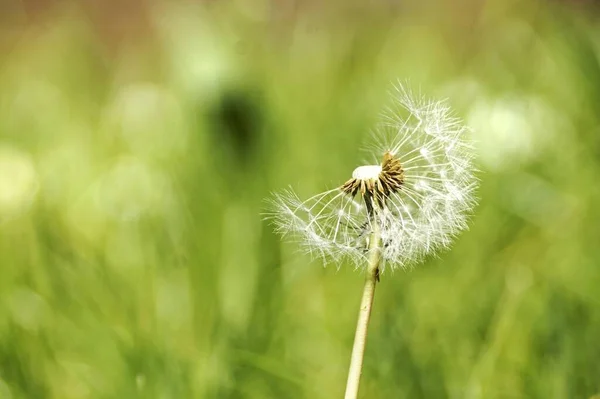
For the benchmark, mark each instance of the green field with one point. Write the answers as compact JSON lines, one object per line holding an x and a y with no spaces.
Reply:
{"x":136,"y":153}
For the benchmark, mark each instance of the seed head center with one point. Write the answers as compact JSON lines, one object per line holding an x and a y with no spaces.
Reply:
{"x":367,"y":172}
{"x":377,"y":181}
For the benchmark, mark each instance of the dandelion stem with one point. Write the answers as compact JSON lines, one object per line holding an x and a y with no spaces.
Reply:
{"x":364,"y":314}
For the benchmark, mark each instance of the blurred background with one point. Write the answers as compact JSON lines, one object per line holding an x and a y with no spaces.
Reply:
{"x":138,"y":140}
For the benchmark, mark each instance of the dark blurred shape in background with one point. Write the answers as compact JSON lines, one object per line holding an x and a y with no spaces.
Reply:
{"x":236,"y":125}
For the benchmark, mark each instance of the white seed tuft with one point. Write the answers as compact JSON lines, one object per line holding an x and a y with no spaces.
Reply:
{"x":428,"y":209}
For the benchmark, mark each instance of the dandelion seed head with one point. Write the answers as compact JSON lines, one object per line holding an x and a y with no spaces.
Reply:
{"x":418,"y":191}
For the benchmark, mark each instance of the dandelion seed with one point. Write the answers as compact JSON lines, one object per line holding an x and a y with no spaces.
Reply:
{"x":418,"y":192}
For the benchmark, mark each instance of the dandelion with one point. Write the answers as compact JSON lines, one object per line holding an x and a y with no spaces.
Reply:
{"x":409,"y":201}
{"x":418,"y":191}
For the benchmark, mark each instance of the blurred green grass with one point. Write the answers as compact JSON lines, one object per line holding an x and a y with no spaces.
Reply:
{"x":134,"y":161}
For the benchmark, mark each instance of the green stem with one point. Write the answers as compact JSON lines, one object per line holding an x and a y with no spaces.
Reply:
{"x":364,"y":314}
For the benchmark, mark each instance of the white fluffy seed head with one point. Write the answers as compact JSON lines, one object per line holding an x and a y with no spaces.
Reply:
{"x":423,"y":215}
